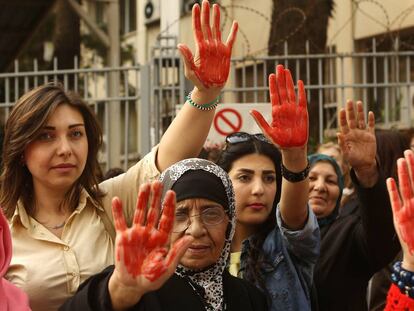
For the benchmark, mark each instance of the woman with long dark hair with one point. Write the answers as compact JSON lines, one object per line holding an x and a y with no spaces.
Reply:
{"x":276,"y":243}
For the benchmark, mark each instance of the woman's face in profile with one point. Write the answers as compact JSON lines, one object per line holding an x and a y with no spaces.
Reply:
{"x":206,"y":221}
{"x":323,"y":189}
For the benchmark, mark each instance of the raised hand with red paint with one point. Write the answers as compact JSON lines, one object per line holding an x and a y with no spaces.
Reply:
{"x":143,"y":261}
{"x":403,"y":210}
{"x":289,"y":126}
{"x":289,"y":132}
{"x":403,"y":216}
{"x":210,"y":65}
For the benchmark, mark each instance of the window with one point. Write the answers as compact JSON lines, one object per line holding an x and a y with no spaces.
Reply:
{"x":128,"y":20}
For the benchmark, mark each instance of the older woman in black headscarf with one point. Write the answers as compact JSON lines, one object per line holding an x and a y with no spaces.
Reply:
{"x":326,"y":177}
{"x":189,"y":275}
{"x":360,"y":240}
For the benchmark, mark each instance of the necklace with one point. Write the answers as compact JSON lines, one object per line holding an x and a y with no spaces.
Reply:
{"x":53,"y":227}
{"x":57,"y":226}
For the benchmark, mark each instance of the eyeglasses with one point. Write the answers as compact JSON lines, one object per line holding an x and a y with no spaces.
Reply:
{"x":241,"y":137}
{"x":209,"y":217}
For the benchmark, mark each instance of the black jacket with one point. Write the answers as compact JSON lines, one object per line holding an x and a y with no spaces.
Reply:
{"x":358,"y":243}
{"x":175,"y":294}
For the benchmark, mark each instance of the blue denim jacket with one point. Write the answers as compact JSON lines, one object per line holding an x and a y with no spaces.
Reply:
{"x":292,"y":257}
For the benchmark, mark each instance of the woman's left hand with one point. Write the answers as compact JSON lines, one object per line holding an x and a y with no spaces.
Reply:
{"x":210,"y":66}
{"x":290,"y":125}
{"x":403,"y":211}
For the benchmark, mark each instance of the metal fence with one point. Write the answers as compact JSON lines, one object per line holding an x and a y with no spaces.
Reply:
{"x":113,"y":93}
{"x":382,"y":80}
{"x":136,"y":104}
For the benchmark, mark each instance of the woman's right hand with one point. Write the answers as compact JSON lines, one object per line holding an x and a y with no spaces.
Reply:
{"x":142,"y":261}
{"x":290,"y":122}
{"x":358,"y":143}
{"x":289,"y":131}
{"x":403,"y":210}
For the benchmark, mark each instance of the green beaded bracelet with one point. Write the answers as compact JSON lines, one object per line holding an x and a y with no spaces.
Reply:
{"x":205,"y":107}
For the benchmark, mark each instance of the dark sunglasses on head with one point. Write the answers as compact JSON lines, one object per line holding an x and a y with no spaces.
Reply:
{"x":241,"y":137}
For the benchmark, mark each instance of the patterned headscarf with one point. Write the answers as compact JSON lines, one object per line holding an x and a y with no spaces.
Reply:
{"x":317,"y":157}
{"x":208,"y":283}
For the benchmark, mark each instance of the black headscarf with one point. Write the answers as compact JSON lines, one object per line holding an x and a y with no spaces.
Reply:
{"x":199,"y":178}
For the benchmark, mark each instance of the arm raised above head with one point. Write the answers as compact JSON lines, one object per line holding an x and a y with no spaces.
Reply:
{"x":401,"y":293}
{"x":289,"y":132}
{"x":208,"y":69}
{"x":358,"y":142}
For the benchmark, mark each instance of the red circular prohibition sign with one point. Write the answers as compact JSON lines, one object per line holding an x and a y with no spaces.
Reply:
{"x":224,"y":115}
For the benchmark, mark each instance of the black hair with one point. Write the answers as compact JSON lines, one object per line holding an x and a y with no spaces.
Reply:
{"x":391,"y":145}
{"x":255,"y":256}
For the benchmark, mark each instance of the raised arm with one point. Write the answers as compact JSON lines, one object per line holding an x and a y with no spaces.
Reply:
{"x":358,"y":143}
{"x":375,"y":237}
{"x":403,"y":210}
{"x":401,"y":293}
{"x":289,"y":132}
{"x":208,"y":69}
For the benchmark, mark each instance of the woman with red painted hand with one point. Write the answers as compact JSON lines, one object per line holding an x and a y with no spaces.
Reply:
{"x":60,"y":217}
{"x":401,"y":293}
{"x":276,"y":243}
{"x":359,"y":242}
{"x":200,"y":234}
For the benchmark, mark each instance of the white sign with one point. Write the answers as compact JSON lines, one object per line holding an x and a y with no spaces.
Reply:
{"x":230,"y":118}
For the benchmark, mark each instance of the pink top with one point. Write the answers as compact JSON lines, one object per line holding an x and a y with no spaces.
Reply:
{"x":11,"y":297}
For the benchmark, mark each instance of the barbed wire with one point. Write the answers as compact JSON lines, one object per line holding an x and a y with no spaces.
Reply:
{"x":384,"y":22}
{"x":380,"y":6}
{"x":387,"y":34}
{"x":240,"y":30}
{"x":403,"y":15}
{"x":287,"y":36}
{"x":348,"y":21}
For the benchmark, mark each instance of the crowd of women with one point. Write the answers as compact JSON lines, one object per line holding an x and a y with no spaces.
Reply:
{"x":266,"y":227}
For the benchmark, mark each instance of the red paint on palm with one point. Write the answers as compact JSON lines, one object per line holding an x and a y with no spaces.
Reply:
{"x":154,"y":265}
{"x":212,"y":62}
{"x":157,"y":262}
{"x":403,"y":210}
{"x":140,"y":250}
{"x":289,"y":126}
{"x":153,"y":213}
{"x":134,"y":251}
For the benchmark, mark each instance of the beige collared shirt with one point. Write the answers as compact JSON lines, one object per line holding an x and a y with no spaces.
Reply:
{"x":50,"y":269}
